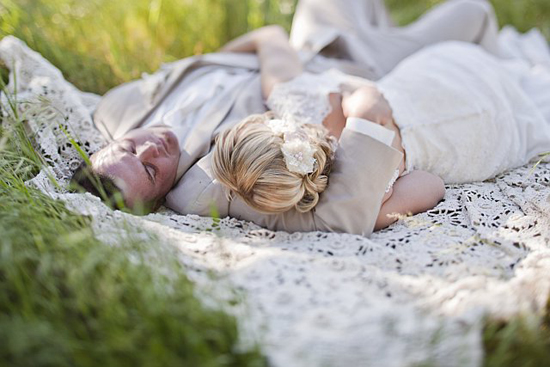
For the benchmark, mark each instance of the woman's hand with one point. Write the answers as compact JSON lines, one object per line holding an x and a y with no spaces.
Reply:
{"x":368,"y":103}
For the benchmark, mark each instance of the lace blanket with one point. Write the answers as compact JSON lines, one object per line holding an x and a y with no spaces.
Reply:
{"x":414,"y":293}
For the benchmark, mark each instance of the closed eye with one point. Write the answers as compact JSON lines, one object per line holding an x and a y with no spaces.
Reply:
{"x":151,"y":172}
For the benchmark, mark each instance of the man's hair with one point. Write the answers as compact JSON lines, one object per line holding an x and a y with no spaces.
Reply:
{"x":102,"y":186}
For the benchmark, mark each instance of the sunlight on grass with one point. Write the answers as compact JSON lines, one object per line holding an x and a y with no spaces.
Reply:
{"x":65,"y":298}
{"x":115,"y":42}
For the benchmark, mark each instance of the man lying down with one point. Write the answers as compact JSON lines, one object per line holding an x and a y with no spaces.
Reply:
{"x":163,"y":127}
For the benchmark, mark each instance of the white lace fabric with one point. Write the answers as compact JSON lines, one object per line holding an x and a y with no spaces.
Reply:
{"x":414,"y":293}
{"x":302,"y":100}
{"x":305,"y":98}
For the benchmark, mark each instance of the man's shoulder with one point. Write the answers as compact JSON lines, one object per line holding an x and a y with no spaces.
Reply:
{"x":197,"y":192}
{"x":126,"y":106}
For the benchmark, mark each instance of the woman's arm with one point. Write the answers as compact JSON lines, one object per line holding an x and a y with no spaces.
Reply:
{"x":364,"y":101}
{"x":413,"y":193}
{"x":278,"y":60}
{"x":367,"y":102}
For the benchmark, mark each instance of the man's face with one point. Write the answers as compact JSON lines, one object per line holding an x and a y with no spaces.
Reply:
{"x":143,"y":164}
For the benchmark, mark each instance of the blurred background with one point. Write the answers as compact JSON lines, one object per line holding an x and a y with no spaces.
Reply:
{"x":101,"y":43}
{"x":65,"y":298}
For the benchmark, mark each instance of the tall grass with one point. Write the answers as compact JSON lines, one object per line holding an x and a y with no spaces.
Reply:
{"x":98,"y":44}
{"x":65,"y":298}
{"x":520,"y":342}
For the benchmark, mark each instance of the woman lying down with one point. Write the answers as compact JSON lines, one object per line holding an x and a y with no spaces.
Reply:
{"x":454,"y":113}
{"x":338,"y":153}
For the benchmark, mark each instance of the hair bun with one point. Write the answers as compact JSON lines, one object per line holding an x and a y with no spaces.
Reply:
{"x":313,"y":184}
{"x":248,"y":160}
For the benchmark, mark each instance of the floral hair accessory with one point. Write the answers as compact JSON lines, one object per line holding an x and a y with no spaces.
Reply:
{"x":297,"y":151}
{"x":281,"y":127}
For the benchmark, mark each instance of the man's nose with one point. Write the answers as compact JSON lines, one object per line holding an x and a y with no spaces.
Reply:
{"x":148,"y":150}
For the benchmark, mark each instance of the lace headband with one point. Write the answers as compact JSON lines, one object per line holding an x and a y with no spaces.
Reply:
{"x":297,"y":150}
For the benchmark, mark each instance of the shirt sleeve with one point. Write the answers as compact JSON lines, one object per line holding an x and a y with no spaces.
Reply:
{"x":362,"y":169}
{"x":377,"y":132}
{"x":351,"y":203}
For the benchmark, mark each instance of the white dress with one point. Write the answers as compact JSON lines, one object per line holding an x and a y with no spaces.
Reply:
{"x":464,"y":115}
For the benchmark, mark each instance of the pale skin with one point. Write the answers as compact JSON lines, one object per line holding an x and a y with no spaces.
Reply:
{"x":143,"y":164}
{"x":412,"y":193}
{"x":279,"y":62}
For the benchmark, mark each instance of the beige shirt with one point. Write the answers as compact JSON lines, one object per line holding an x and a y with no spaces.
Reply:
{"x":350,"y":203}
{"x":193,"y":97}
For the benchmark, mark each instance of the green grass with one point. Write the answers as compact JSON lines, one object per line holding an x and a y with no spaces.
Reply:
{"x":99,"y":44}
{"x":67,"y":299}
{"x":523,"y":14}
{"x":520,"y":342}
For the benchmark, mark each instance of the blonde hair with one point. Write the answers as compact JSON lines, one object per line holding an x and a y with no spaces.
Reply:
{"x":248,"y":160}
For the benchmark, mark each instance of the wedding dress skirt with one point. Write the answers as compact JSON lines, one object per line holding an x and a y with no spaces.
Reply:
{"x":467,"y":116}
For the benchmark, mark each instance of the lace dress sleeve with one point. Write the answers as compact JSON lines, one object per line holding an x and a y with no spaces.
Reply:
{"x":304,"y":99}
{"x":392,"y":181}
